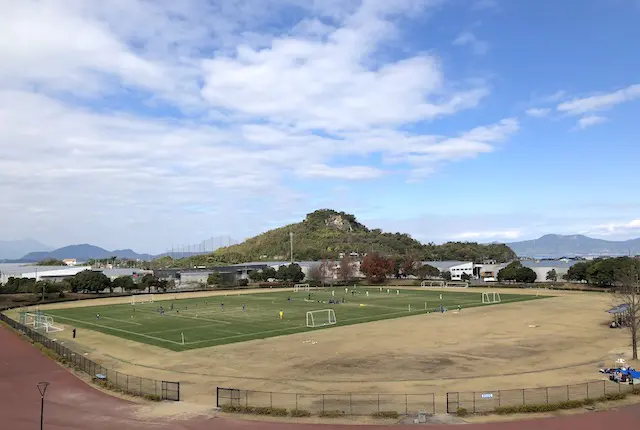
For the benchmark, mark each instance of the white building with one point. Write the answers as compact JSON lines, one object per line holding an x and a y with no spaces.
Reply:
{"x":456,"y":268}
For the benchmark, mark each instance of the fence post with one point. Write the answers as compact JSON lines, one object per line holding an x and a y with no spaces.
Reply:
{"x":271,"y":398}
{"x":129,"y":391}
{"x":433,"y":401}
{"x":350,"y":405}
{"x":567,"y":392}
{"x":406,"y":404}
{"x":218,"y":395}
{"x":378,"y":403}
{"x":140,"y":386}
{"x":547,"y":392}
{"x":323,"y":403}
{"x":587,"y":391}
{"x":523,"y":401}
{"x":246,"y":398}
{"x":474,"y":401}
{"x":499,"y":398}
{"x":297,"y":398}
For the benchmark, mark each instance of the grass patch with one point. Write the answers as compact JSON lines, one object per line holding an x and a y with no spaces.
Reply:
{"x":219,"y":320}
{"x":332,"y":414}
{"x":571,"y":404}
{"x":300,"y":413}
{"x":275,"y":412}
{"x":386,"y":414}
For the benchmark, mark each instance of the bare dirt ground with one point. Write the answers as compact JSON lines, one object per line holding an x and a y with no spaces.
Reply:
{"x":555,"y":341}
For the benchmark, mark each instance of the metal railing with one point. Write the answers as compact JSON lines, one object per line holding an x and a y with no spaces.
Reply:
{"x":487,"y":401}
{"x":321,"y":404}
{"x":129,"y":384}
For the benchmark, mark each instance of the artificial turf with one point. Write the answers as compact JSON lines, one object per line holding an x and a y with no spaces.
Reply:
{"x":205,"y":322}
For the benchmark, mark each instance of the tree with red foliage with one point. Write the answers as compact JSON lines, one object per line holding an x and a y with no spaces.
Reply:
{"x":376,"y":267}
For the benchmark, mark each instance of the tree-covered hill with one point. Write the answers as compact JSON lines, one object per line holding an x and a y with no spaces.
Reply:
{"x":326,"y":233}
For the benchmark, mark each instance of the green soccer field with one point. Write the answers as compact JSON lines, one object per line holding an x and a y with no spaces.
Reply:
{"x":206,"y":322}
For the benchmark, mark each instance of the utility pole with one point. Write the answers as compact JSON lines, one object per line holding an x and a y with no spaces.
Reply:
{"x":291,"y":245}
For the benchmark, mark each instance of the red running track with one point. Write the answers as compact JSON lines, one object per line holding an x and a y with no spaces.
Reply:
{"x":71,"y":404}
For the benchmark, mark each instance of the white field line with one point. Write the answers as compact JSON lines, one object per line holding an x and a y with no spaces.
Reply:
{"x":191,"y":328}
{"x":120,"y":330}
{"x":119,"y":320}
{"x":190,"y":317}
{"x":373,"y":317}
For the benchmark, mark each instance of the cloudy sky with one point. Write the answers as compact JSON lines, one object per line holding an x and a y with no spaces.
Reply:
{"x":135,"y":123}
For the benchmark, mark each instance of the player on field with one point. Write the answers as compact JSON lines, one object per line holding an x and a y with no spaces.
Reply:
{"x":243,"y":307}
{"x":281,"y":314}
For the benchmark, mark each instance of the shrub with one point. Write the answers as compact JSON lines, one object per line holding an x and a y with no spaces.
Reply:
{"x":153,"y":397}
{"x":243,"y":282}
{"x":386,"y":414}
{"x":300,"y":413}
{"x":612,"y":396}
{"x":332,"y":414}
{"x":571,"y":404}
{"x":276,"y":412}
{"x":462,"y":412}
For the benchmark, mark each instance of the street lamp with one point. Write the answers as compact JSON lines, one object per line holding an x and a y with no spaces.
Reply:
{"x":42,"y":388}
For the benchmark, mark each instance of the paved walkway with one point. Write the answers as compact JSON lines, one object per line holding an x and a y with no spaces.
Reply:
{"x":71,"y":404}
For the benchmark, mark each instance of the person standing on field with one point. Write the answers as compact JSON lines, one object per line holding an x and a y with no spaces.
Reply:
{"x":281,"y":314}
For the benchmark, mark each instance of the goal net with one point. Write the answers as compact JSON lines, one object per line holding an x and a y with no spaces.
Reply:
{"x":46,"y":323}
{"x":432,"y":284}
{"x":458,"y":284}
{"x":141,"y":299}
{"x":491,"y":297}
{"x":321,"y":318}
{"x":301,"y":287}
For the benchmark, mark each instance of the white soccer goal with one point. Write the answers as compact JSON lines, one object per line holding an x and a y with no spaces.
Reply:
{"x":141,"y":299}
{"x":491,"y":297}
{"x":457,"y":284}
{"x":321,"y":318}
{"x":46,"y":323}
{"x":301,"y":287}
{"x":432,"y":284}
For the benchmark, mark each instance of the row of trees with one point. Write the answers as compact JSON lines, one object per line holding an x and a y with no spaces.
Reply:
{"x":87,"y":281}
{"x":601,"y":272}
{"x":516,"y":272}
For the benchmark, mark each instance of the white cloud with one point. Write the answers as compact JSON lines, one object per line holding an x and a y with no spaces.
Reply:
{"x":479,"y":47}
{"x":615,"y":228}
{"x":538,"y":112}
{"x":600,"y":102}
{"x":590,"y":120}
{"x":347,"y":172}
{"x":164,"y":114}
{"x":489,"y":235}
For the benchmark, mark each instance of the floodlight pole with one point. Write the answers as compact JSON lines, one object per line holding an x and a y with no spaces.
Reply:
{"x":291,"y":244}
{"x":42,"y":388}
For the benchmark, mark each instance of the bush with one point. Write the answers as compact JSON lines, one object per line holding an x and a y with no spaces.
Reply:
{"x":243,"y":282}
{"x":332,"y":414}
{"x":153,"y":397}
{"x":462,"y":412}
{"x":300,"y":413}
{"x":386,"y":414}
{"x":571,"y":404}
{"x":276,"y":412}
{"x":612,"y":396}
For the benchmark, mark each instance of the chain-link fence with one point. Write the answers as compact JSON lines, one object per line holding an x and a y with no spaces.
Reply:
{"x":321,"y":404}
{"x":133,"y":385}
{"x":487,"y":401}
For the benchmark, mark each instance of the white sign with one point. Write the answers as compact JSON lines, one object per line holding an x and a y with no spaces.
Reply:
{"x":487,"y":396}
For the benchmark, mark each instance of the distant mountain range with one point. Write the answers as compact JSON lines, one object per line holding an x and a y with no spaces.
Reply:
{"x":84,"y":252}
{"x":12,"y":249}
{"x":576,"y":245}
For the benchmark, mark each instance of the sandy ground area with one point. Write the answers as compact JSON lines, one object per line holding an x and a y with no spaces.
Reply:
{"x":555,"y":341}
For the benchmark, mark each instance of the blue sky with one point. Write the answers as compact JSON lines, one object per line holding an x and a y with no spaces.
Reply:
{"x":143,"y":124}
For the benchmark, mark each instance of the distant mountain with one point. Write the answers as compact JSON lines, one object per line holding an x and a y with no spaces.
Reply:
{"x":14,"y":249}
{"x":84,"y":252}
{"x":554,"y":246}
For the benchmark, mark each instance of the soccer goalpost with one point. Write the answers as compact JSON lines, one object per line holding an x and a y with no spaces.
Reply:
{"x":432,"y":284}
{"x":301,"y":287}
{"x":491,"y":297}
{"x":141,"y":299}
{"x":39,"y":321}
{"x":321,"y":318}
